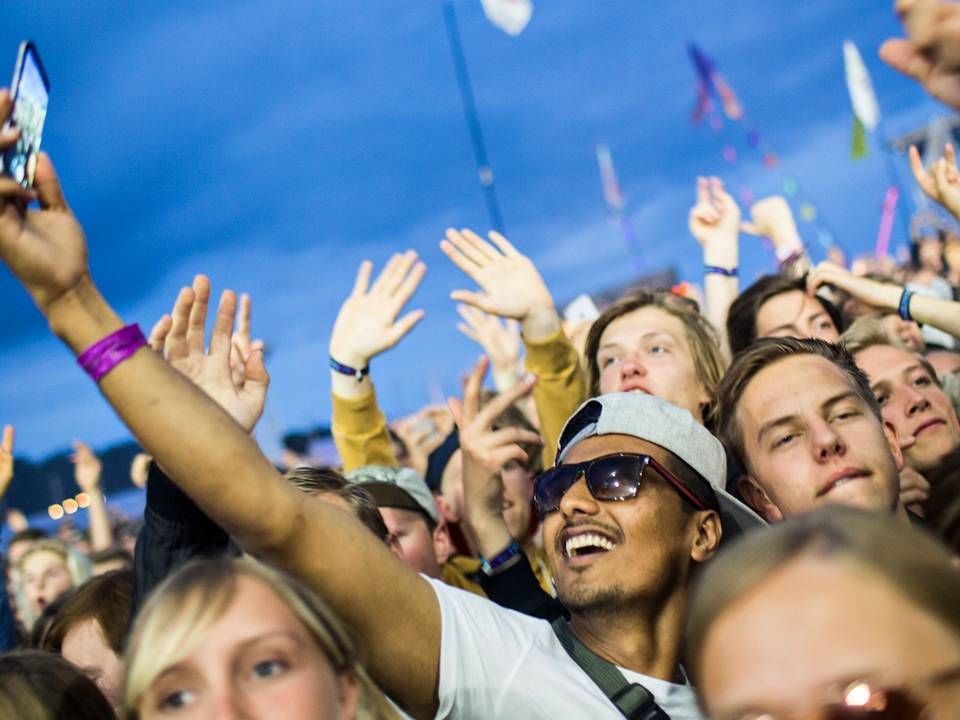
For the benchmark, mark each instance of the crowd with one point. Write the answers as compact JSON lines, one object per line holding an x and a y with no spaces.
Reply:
{"x":747,"y":507}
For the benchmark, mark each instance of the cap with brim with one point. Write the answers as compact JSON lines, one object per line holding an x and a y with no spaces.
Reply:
{"x":674,"y":429}
{"x":393,"y":487}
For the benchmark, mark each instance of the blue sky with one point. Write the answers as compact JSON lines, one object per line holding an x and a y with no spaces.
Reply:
{"x":274,"y":145}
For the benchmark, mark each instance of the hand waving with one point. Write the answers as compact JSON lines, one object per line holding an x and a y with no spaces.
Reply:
{"x":941,"y":183}
{"x":367,"y":323}
{"x":499,"y":340}
{"x":715,"y":218}
{"x":241,"y":391}
{"x":86,"y":467}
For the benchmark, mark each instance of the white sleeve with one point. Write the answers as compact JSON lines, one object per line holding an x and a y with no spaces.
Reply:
{"x":482,"y":650}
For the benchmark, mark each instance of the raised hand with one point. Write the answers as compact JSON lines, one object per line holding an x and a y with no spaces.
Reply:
{"x":931,"y":52}
{"x":422,"y":433}
{"x":881,"y":296}
{"x":183,"y":341}
{"x":772,"y":217}
{"x":140,"y":469}
{"x":86,"y":467}
{"x":510,"y":285}
{"x":500,"y":340}
{"x":6,"y":459}
{"x":941,"y":183}
{"x":715,"y":220}
{"x":367,"y":323}
{"x":485,"y":452}
{"x":45,"y":249}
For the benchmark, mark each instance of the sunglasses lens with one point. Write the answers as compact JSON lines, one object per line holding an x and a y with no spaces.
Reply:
{"x":550,"y":487}
{"x":615,"y":478}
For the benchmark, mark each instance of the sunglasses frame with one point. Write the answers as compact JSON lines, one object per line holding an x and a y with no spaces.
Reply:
{"x":584,"y":469}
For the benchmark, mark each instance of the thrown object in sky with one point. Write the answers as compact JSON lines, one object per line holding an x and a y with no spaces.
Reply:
{"x":862,"y":97}
{"x":511,"y":16}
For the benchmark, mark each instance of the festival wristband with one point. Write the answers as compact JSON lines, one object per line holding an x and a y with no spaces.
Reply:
{"x":716,"y":269}
{"x":105,"y":354}
{"x":347,"y":370}
{"x":904,"y":308}
{"x":490,"y":567}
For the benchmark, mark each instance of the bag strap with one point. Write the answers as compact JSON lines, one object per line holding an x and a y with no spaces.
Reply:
{"x":633,"y":700}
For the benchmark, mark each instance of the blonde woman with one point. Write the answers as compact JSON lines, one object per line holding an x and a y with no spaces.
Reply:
{"x":229,"y":637}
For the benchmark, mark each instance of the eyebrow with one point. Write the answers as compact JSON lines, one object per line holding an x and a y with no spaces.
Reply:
{"x":645,"y":336}
{"x":183,"y":665}
{"x":788,"y":326}
{"x":824,"y":406}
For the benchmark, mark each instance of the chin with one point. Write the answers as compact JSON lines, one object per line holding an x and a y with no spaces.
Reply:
{"x":591,"y":600}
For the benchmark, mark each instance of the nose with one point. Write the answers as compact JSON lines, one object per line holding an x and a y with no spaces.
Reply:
{"x":915,"y":402}
{"x":631,"y":366}
{"x":578,"y":500}
{"x":827,"y":443}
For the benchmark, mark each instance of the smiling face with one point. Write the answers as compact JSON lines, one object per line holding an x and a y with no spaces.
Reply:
{"x":783,"y":646}
{"x":920,"y":412}
{"x":647,"y":351}
{"x":609,"y":555}
{"x":810,"y":439}
{"x":45,"y":577}
{"x":795,"y":314}
{"x":256,"y":661}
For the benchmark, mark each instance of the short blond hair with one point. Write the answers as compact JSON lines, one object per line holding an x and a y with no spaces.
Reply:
{"x":183,"y":608}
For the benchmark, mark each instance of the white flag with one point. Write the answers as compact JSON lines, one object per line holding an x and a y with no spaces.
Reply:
{"x":511,"y":16}
{"x":862,"y":97}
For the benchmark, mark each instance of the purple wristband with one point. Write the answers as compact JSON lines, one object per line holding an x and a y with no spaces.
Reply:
{"x":105,"y":354}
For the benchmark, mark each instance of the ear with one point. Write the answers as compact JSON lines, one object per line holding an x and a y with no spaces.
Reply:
{"x":709,"y":531}
{"x":442,"y":544}
{"x":348,"y":696}
{"x":757,"y":498}
{"x":893,"y":440}
{"x":446,"y":511}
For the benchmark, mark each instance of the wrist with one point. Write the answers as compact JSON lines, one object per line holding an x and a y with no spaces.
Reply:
{"x":350,"y":358}
{"x":541,"y":321}
{"x":81,"y":316}
{"x":727,"y":257}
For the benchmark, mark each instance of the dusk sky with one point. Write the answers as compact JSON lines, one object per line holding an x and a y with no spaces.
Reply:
{"x":275,"y":144}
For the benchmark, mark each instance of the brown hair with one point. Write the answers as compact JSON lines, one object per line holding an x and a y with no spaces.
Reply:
{"x":908,"y":560}
{"x":315,"y":481}
{"x":766,"y":352}
{"x":869,"y":331}
{"x":106,"y":599}
{"x":36,"y":685}
{"x":708,"y":362}
{"x":742,"y":316}
{"x":513,"y":417}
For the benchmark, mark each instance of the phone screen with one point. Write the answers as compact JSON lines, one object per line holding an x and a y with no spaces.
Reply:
{"x":31,"y":92}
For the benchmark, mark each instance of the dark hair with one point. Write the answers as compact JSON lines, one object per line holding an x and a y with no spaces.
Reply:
{"x":36,"y":685}
{"x":314,"y":481}
{"x":766,"y":352}
{"x":106,"y":599}
{"x":110,"y":554}
{"x":708,"y":362}
{"x":513,"y":417}
{"x":742,"y":317}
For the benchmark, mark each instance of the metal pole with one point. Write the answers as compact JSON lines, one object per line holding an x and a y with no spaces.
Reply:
{"x":484,"y":171}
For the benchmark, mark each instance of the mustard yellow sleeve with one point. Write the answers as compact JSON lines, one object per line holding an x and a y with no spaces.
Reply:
{"x":359,"y":430}
{"x":560,"y":388}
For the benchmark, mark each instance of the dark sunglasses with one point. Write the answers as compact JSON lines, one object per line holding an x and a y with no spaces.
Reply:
{"x":610,"y":478}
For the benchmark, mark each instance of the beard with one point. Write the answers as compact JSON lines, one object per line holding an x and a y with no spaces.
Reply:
{"x":592,"y":601}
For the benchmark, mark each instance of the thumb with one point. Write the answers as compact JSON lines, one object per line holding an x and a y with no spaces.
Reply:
{"x":751,"y":228}
{"x":47,"y":185}
{"x":255,"y":370}
{"x":456,"y":409}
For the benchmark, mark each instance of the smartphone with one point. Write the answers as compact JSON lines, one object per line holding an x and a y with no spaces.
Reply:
{"x":30,"y":90}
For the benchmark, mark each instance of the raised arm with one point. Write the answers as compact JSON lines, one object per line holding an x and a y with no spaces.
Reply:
{"x":215,"y":461}
{"x":941,"y":182}
{"x":771,"y":217}
{"x":366,"y":326}
{"x":6,"y":460}
{"x":86,"y":473}
{"x":511,"y":287}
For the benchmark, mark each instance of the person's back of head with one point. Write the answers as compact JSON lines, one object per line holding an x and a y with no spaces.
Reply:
{"x":37,"y":685}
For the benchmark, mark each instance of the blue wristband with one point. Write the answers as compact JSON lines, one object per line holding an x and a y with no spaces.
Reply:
{"x":904,"y":308}
{"x":489,"y":567}
{"x":347,"y":370}
{"x":729,"y":272}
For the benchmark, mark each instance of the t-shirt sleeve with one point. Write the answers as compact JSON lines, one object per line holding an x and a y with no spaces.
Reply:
{"x":482,"y":649}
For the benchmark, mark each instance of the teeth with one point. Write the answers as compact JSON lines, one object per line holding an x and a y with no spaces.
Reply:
{"x":578,"y":542}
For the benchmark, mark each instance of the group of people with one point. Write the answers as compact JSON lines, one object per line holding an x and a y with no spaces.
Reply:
{"x":745,"y":507}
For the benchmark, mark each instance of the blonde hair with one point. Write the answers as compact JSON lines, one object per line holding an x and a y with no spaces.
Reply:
{"x":77,"y":565}
{"x":184,"y":607}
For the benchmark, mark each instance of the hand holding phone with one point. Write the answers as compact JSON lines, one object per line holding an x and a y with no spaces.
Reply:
{"x":30,"y":92}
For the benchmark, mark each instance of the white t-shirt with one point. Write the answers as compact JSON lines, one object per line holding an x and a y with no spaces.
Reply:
{"x":497,"y":663}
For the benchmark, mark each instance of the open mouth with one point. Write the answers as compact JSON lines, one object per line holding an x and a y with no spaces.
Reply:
{"x":587,"y":543}
{"x":842,"y":479}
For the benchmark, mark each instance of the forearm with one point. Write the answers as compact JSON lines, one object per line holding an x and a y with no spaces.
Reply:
{"x":489,"y":529}
{"x":101,"y":536}
{"x":720,"y":289}
{"x":941,"y":314}
{"x":360,"y":428}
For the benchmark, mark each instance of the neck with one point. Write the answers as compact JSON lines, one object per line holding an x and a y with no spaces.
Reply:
{"x":642,"y":639}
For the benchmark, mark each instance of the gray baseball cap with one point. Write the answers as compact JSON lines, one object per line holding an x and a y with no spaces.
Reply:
{"x":674,"y":429}
{"x":396,"y":487}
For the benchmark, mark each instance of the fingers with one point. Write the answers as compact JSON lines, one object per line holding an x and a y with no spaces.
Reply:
{"x":6,"y":444}
{"x":403,"y":326}
{"x":196,"y":325}
{"x":409,"y":286}
{"x":703,"y":191}
{"x":158,"y":335}
{"x":518,"y":436}
{"x":480,"y":246}
{"x":243,"y":318}
{"x":255,"y":371}
{"x":923,"y":178}
{"x":469,"y":332}
{"x":220,"y":336}
{"x":951,"y":155}
{"x":504,"y":245}
{"x":47,"y":185}
{"x":457,"y":249}
{"x":750,"y":229}
{"x":496,"y":407}
{"x":362,"y":282}
{"x":471,"y":390}
{"x":477,"y":300}
{"x":176,"y":342}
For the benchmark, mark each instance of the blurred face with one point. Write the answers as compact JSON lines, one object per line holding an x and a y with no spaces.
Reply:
{"x":906,"y":331}
{"x":45,"y":577}
{"x":911,"y":401}
{"x":647,"y":351}
{"x":451,"y":488}
{"x":931,"y":255}
{"x":607,"y":556}
{"x":85,"y":646}
{"x":815,"y":625}
{"x":257,"y":661}
{"x":517,"y":496}
{"x":416,"y":541}
{"x":809,"y":439}
{"x":944,"y":361}
{"x":795,"y":314}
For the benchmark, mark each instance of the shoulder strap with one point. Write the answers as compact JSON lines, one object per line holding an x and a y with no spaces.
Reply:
{"x":633,"y":700}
